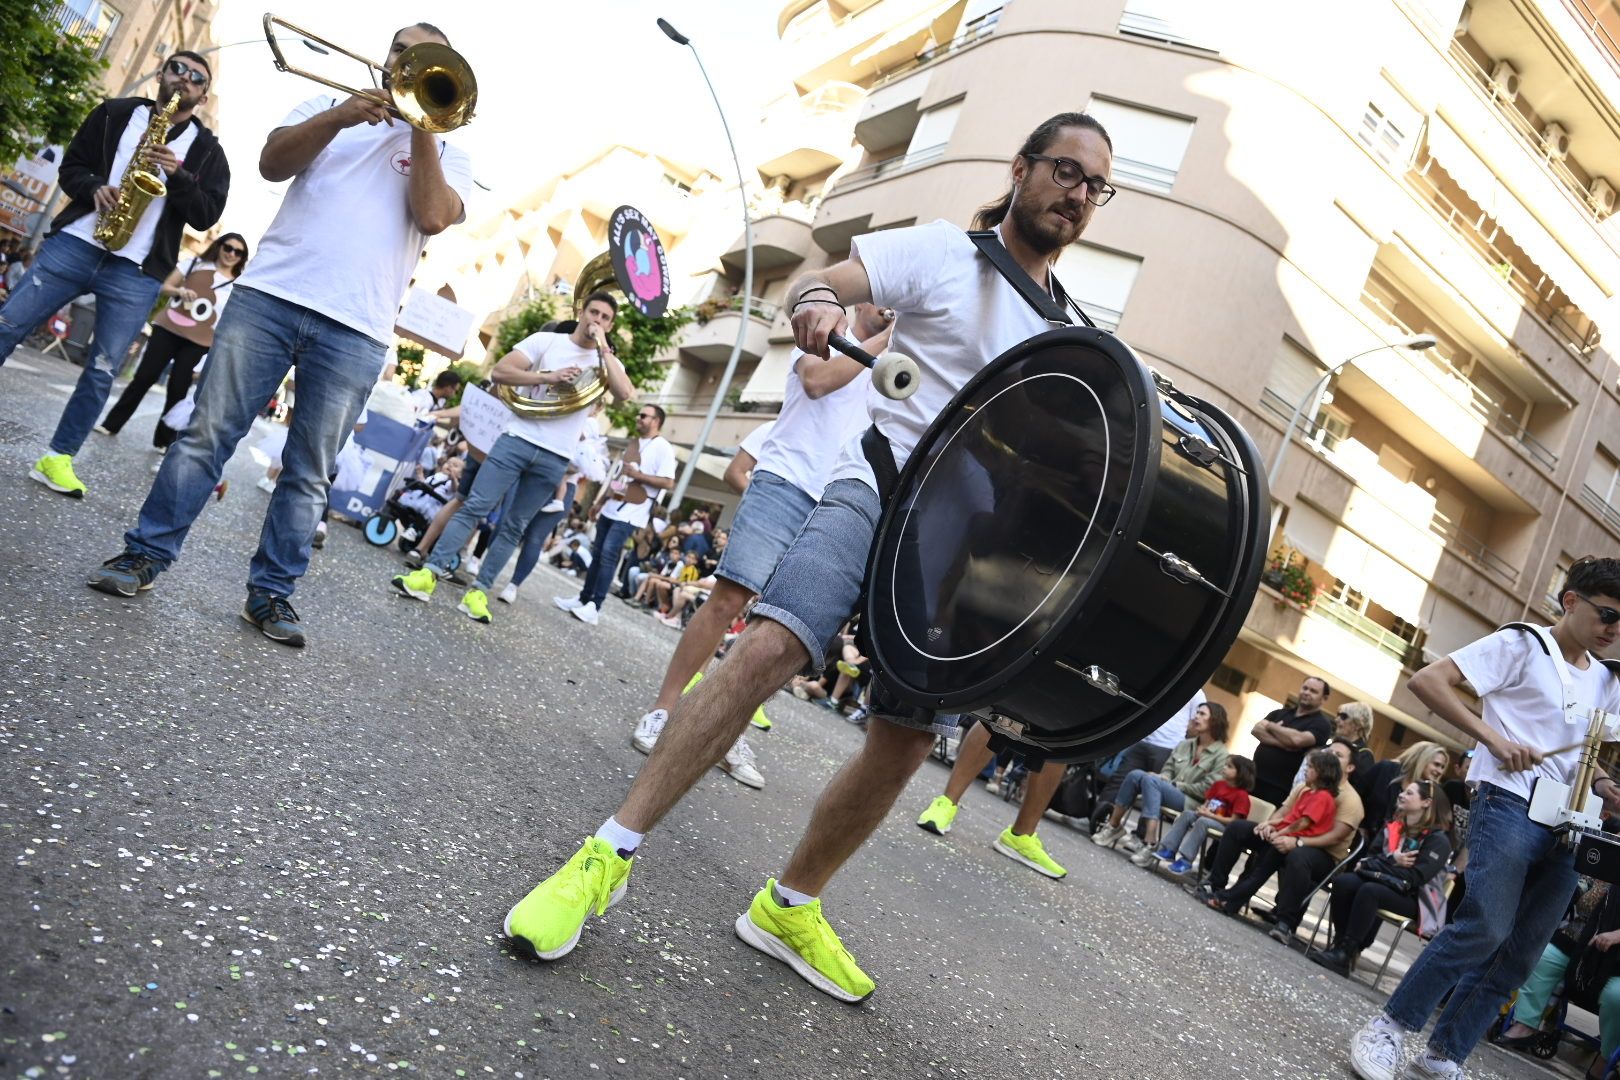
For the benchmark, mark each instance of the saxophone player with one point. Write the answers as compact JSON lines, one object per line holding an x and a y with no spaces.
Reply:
{"x":111,"y":144}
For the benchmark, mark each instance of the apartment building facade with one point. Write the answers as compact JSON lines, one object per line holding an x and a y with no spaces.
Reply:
{"x":1296,"y":189}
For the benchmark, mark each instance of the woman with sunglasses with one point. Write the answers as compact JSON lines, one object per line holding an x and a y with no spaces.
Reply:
{"x":181,"y":333}
{"x":1536,"y":686}
{"x":127,"y":282}
{"x":1415,"y":849}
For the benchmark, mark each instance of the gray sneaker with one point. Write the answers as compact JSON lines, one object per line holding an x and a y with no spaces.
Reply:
{"x":275,"y":618}
{"x":125,"y":575}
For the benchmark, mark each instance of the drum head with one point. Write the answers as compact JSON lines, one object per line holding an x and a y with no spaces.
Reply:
{"x":1004,"y":512}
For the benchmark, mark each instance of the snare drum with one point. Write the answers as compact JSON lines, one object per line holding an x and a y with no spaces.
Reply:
{"x":1070,"y":551}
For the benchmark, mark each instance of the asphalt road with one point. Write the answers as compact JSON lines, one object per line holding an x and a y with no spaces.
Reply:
{"x":227,"y":858}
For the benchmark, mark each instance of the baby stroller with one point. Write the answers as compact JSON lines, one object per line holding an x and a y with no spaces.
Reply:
{"x":399,"y":519}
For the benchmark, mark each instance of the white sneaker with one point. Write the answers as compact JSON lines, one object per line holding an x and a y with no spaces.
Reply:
{"x":648,"y":728}
{"x":157,"y":466}
{"x":567,"y":603}
{"x":1131,"y":844}
{"x":103,"y":429}
{"x":1375,"y":1050}
{"x":266,"y":484}
{"x":472,"y":565}
{"x":1143,"y":858}
{"x":739,"y":762}
{"x":552,"y":507}
{"x":508,"y":594}
{"x":1108,"y":835}
{"x":1424,"y":1067}
{"x":586,"y":613}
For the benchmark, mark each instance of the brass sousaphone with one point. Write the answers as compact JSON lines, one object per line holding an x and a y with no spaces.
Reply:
{"x":560,"y":399}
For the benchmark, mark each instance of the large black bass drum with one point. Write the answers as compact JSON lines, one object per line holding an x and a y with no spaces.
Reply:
{"x":1070,"y":551}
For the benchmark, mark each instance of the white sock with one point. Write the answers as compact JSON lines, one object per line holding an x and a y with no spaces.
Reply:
{"x":622,"y":839}
{"x":1385,"y":1022}
{"x":1438,"y":1064}
{"x":792,"y":897}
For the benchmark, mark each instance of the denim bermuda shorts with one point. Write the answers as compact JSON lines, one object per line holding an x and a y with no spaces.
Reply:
{"x":818,"y":583}
{"x":771,"y":515}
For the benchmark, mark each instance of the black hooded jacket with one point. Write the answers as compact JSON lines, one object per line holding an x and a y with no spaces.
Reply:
{"x":197,"y":189}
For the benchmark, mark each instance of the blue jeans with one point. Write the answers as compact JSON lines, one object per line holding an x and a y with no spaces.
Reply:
{"x":1188,"y":833}
{"x":1520,"y":880}
{"x":1156,"y":792}
{"x":67,"y":267}
{"x":516,"y":466}
{"x":258,"y":338}
{"x":534,"y":535}
{"x":605,"y":553}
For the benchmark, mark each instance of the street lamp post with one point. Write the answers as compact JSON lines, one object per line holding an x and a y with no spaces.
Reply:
{"x":1414,"y":342}
{"x":748,"y":280}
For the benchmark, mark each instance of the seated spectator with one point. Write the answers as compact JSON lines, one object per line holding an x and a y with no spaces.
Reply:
{"x":1299,"y":860}
{"x":433,"y":492}
{"x":1226,"y":801}
{"x":1414,"y":849}
{"x":658,"y":590}
{"x":1421,"y":761}
{"x":1354,"y":723}
{"x":1149,"y":755}
{"x":1192,"y":767}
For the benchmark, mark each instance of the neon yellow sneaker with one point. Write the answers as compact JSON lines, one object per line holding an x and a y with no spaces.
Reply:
{"x":418,"y":584}
{"x":760,"y":720}
{"x":55,"y":471}
{"x":800,"y":938}
{"x":475,"y":605}
{"x":693,"y":681}
{"x":939,"y":815}
{"x":849,"y":669}
{"x":547,"y":922}
{"x":1029,"y":851}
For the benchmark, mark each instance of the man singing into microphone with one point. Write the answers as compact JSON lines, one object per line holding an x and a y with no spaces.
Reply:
{"x":125,"y":282}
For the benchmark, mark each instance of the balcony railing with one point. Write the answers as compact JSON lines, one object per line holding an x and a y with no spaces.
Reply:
{"x":1600,"y":33}
{"x":757,"y":308}
{"x":1386,"y":640}
{"x":977,"y":30}
{"x":75,"y":24}
{"x":1537,"y":295}
{"x":1436,"y":365}
{"x":1606,"y":510}
{"x":890,"y":166}
{"x":699,"y":403}
{"x":1460,"y":542}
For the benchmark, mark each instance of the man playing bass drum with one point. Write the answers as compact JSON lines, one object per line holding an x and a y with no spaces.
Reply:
{"x":955,"y":313}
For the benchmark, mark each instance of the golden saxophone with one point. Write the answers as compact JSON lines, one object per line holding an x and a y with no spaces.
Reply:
{"x":141,"y":183}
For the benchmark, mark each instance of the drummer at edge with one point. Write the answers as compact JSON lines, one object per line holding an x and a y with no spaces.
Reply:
{"x":1520,"y":875}
{"x":955,"y":313}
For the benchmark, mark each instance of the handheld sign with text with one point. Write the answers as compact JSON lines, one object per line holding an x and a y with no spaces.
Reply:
{"x":442,"y":325}
{"x":484,"y":418}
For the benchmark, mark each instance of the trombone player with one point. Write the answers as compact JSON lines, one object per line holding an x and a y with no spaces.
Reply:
{"x":532,"y":453}
{"x":189,"y":167}
{"x":367,"y":192}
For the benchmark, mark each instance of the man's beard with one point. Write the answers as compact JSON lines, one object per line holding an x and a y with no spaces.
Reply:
{"x":1038,"y":230}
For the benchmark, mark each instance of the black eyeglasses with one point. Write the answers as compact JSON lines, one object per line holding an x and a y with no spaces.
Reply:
{"x":231,"y":249}
{"x":1608,"y":616}
{"x":647,"y":416}
{"x":1069,"y":174}
{"x":1342,"y":715}
{"x":186,"y":72}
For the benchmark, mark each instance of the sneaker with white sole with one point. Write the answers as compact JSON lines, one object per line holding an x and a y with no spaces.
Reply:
{"x":567,"y":603}
{"x":739,"y":762}
{"x":55,"y":471}
{"x":1144,"y":858}
{"x":266,"y":485}
{"x":552,"y":507}
{"x":472,"y":566}
{"x":1108,"y":835}
{"x":508,"y":594}
{"x":801,"y":938}
{"x":648,"y":728}
{"x":585,"y":613}
{"x":1428,"y":1067}
{"x":1131,"y":844}
{"x":1375,"y":1050}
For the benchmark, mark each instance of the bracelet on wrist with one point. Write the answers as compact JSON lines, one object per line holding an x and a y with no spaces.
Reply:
{"x":800,"y":303}
{"x":817,"y":288}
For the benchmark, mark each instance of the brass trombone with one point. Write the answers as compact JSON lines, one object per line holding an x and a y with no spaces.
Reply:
{"x":430,"y":85}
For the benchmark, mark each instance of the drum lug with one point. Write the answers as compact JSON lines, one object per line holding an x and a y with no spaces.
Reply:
{"x":1174,"y":566}
{"x":1006,"y":725}
{"x":1198,"y":451}
{"x":1100,"y":678}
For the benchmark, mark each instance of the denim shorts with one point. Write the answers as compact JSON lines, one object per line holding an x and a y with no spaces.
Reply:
{"x":817,"y":585}
{"x":771,"y":515}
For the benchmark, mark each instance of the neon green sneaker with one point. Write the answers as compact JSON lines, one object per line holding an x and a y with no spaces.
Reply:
{"x":547,"y":922}
{"x":760,"y":720}
{"x":475,"y":605}
{"x":418,"y":584}
{"x":55,"y":471}
{"x":693,"y":681}
{"x":1029,"y":851}
{"x":800,"y":938}
{"x":939,"y":815}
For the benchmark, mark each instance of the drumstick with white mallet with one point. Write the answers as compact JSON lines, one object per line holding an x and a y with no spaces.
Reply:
{"x":895,"y":376}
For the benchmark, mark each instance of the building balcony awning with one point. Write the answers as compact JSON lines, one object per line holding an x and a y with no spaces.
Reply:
{"x":1476,"y":178}
{"x":1357,"y":563}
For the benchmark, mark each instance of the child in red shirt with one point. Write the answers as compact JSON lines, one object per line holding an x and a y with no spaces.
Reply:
{"x":1226,"y":801}
{"x":1314,"y":810}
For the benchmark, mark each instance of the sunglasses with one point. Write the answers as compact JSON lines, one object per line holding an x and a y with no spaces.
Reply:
{"x":231,"y":249}
{"x":647,"y":416}
{"x":1608,"y":616}
{"x":185,"y":72}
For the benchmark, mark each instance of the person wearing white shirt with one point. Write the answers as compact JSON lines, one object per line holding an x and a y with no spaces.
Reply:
{"x":427,"y":400}
{"x":653,"y":473}
{"x":1147,"y":754}
{"x":823,"y":405}
{"x":530,"y":458}
{"x":1538,"y":688}
{"x":320,"y":296}
{"x":956,"y":313}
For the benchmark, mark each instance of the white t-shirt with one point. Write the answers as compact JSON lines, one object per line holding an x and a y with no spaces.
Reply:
{"x":344,"y":243}
{"x":810,"y":433}
{"x":753,"y":443}
{"x":1521,"y":696}
{"x":140,"y":241}
{"x":657,"y":459}
{"x":956,"y":315}
{"x":547,"y":351}
{"x":1174,"y":730}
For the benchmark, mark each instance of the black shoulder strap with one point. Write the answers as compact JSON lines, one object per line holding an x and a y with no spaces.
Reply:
{"x":1528,"y":629}
{"x":1053,"y":307}
{"x":1613,"y":666}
